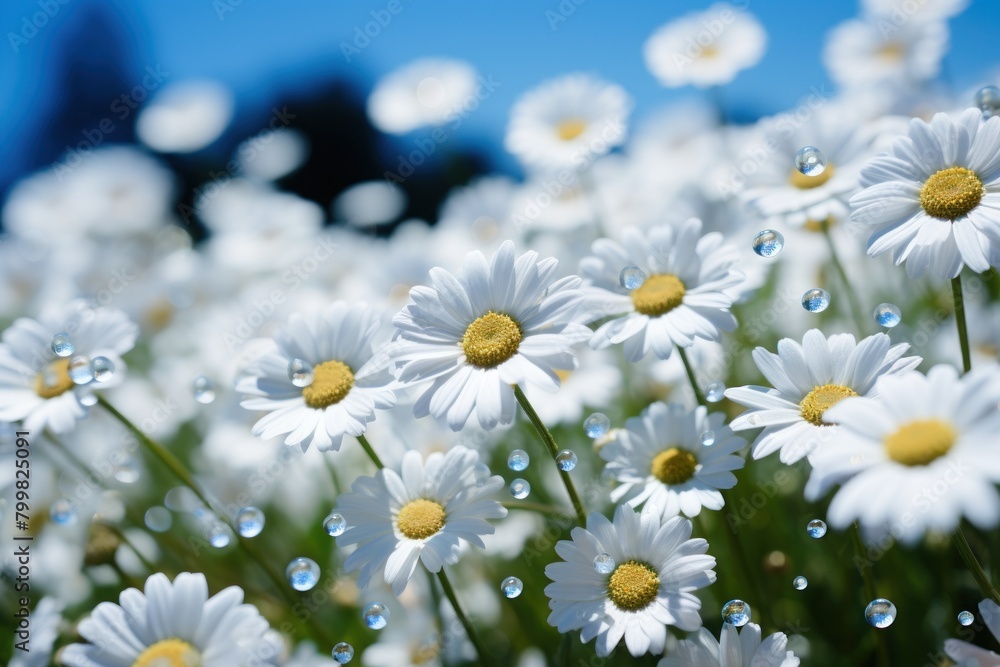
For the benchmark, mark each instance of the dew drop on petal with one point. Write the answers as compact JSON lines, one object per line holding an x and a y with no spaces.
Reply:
{"x":481,"y":472}
{"x":887,"y":315}
{"x":62,"y":512}
{"x":631,"y":277}
{"x":335,"y":524}
{"x":103,"y":368}
{"x":127,"y":471}
{"x":810,"y":161}
{"x":880,"y":613}
{"x":816,"y":528}
{"x":520,"y":488}
{"x":343,"y":653}
{"x":62,"y":346}
{"x":80,"y":371}
{"x":302,"y":574}
{"x":988,"y":100}
{"x":249,"y":522}
{"x":219,"y":535}
{"x":376,"y":615}
{"x":715,"y":391}
{"x":736,"y":612}
{"x":300,"y":372}
{"x":158,"y":519}
{"x":204,"y":390}
{"x":800,"y":583}
{"x":89,"y":400}
{"x":816,"y":300}
{"x":511,"y":587}
{"x":518,"y":460}
{"x":708,"y":438}
{"x":966,"y":618}
{"x":566,"y":460}
{"x":604,"y":563}
{"x":768,"y":243}
{"x":596,"y":425}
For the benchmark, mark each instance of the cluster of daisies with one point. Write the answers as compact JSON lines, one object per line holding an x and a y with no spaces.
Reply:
{"x":284,"y":371}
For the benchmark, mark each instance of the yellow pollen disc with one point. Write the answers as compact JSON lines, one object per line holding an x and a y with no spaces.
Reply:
{"x":54,"y":379}
{"x":709,"y":51}
{"x":920,"y":442}
{"x":419,"y":519}
{"x":951,"y":193}
{"x":569,"y":129}
{"x":817,"y":225}
{"x":660,"y":294}
{"x":799,"y":180}
{"x":633,"y":585}
{"x":674,"y":466}
{"x":332,"y":381}
{"x":491,"y":340}
{"x":891,"y":51}
{"x":562,"y":375}
{"x":821,"y":399}
{"x":169,"y":653}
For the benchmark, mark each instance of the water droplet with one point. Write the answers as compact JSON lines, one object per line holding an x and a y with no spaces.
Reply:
{"x":62,"y":512}
{"x":158,"y":519}
{"x":62,"y":346}
{"x":596,"y":425}
{"x":300,"y":372}
{"x":79,"y":369}
{"x":343,"y":653}
{"x":481,"y":472}
{"x":810,"y":161}
{"x":966,"y":618}
{"x":335,"y":524}
{"x":518,"y":460}
{"x":715,"y":391}
{"x":800,"y":583}
{"x":816,"y":300}
{"x":128,"y":471}
{"x":708,"y":438}
{"x":102,"y":368}
{"x":736,"y":612}
{"x":880,"y":613}
{"x":604,"y":563}
{"x":768,"y":243}
{"x":816,"y":528}
{"x":511,"y":587}
{"x":566,"y":460}
{"x":219,"y":535}
{"x":181,"y":499}
{"x":376,"y":616}
{"x":89,"y":400}
{"x":204,"y":390}
{"x":249,"y":522}
{"x":887,"y":315}
{"x":302,"y":574}
{"x":988,"y":100}
{"x":520,"y":488}
{"x":631,"y":277}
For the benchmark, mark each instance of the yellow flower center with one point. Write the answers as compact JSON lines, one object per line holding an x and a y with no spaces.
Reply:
{"x":332,"y":381}
{"x":803,"y":182}
{"x":633,"y":585}
{"x":920,"y":442}
{"x":951,"y":193}
{"x":674,"y":466}
{"x":569,"y":129}
{"x":891,"y":51}
{"x":709,"y":51}
{"x":491,"y":340}
{"x":54,"y":379}
{"x":419,"y":519}
{"x":821,"y":399}
{"x":660,"y":294}
{"x":169,"y":653}
{"x":817,"y":225}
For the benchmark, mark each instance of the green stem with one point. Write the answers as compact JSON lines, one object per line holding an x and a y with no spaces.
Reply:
{"x":553,"y":448}
{"x":963,"y":331}
{"x":370,"y":451}
{"x":485,"y":656}
{"x":698,"y":395}
{"x":871,"y":592}
{"x":855,"y":306}
{"x":533,"y":507}
{"x":971,"y":562}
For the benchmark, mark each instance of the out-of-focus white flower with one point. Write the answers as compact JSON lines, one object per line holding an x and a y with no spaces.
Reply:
{"x":272,"y":154}
{"x":594,"y":384}
{"x":862,"y":52}
{"x":898,"y":11}
{"x":185,"y":117}
{"x":45,"y":620}
{"x":429,"y":91}
{"x":369,"y":203}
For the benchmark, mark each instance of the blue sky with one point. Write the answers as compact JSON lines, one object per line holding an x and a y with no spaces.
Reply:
{"x":260,"y":48}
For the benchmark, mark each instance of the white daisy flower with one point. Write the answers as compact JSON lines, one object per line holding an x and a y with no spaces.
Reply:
{"x":689,"y":286}
{"x":496,"y":324}
{"x":174,"y":623}
{"x":924,"y":10}
{"x":46,"y":618}
{"x":735,"y":648}
{"x":862,"y":52}
{"x":429,"y":91}
{"x":567,"y":122}
{"x":674,"y":459}
{"x":917,"y":457}
{"x":706,"y":48}
{"x":934,"y":200}
{"x":960,"y":651}
{"x":185,"y":117}
{"x":807,"y":380}
{"x":657,"y":568}
{"x":349,"y":379}
{"x":424,"y":512}
{"x":35,"y":383}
